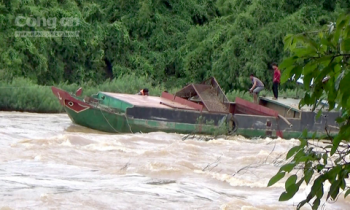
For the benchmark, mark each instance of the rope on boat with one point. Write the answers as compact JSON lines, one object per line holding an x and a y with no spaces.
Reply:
{"x":128,"y":123}
{"x":334,"y":127}
{"x":108,"y":121}
{"x":112,"y":126}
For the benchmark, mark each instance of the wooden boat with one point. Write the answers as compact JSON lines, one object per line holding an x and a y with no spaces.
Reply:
{"x":195,"y":109}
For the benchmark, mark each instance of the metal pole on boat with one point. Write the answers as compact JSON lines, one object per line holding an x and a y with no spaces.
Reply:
{"x":285,"y":120}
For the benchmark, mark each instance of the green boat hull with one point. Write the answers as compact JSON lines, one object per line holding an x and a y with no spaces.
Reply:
{"x":118,"y":123}
{"x":254,"y":133}
{"x":102,"y":120}
{"x":132,"y":114}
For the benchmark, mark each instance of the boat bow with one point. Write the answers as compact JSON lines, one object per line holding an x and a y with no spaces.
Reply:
{"x":67,"y":100}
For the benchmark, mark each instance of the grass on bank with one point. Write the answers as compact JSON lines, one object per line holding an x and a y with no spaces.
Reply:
{"x":22,"y":94}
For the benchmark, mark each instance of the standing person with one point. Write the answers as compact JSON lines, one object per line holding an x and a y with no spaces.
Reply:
{"x":276,"y":80}
{"x":256,"y":88}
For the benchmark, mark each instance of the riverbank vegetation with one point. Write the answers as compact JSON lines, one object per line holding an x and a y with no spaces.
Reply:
{"x":171,"y":43}
{"x":22,"y":94}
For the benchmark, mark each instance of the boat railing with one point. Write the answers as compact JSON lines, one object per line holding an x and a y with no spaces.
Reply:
{"x":92,"y":101}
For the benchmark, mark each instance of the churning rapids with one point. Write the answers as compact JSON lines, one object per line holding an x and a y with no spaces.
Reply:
{"x":49,"y":163}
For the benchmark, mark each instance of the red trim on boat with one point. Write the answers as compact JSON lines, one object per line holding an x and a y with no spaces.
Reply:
{"x":247,"y":107}
{"x":68,"y":101}
{"x":279,"y":133}
{"x":75,"y":106}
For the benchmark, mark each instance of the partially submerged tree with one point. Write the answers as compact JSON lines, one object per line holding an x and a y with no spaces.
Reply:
{"x":319,"y":55}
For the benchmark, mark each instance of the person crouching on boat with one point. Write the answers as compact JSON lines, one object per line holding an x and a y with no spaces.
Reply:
{"x":143,"y":92}
{"x":256,"y":88}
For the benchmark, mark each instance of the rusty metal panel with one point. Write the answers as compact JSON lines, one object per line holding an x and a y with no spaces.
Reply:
{"x":212,"y":81}
{"x":210,"y":99}
{"x":209,"y":94}
{"x":180,"y":100}
{"x":186,"y":92}
{"x":247,"y":107}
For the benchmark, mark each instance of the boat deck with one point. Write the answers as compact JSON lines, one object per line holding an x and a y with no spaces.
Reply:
{"x":287,"y":103}
{"x":148,"y":101}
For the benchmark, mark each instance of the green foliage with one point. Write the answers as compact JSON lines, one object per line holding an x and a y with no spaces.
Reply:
{"x":319,"y":55}
{"x":14,"y":93}
{"x":24,"y":95}
{"x":172,"y":42}
{"x":231,"y":96}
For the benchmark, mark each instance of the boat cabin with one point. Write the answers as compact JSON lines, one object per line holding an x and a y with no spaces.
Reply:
{"x":287,"y":107}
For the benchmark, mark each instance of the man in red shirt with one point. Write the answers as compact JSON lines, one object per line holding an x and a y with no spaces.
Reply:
{"x":276,"y":80}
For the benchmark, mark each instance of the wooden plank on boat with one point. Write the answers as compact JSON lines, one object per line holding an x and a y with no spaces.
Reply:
{"x":247,"y":107}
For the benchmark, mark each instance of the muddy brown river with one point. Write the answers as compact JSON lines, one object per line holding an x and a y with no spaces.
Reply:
{"x":47,"y":162}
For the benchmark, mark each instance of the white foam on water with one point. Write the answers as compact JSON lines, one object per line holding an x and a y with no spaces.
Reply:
{"x":47,"y":162}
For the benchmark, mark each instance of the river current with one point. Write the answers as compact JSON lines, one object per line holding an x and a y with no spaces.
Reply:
{"x":47,"y":162}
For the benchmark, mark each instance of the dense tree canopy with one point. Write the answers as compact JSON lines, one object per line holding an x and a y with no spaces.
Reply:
{"x":171,"y":41}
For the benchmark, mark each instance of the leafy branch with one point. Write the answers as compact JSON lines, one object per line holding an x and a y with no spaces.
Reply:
{"x":322,"y":58}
